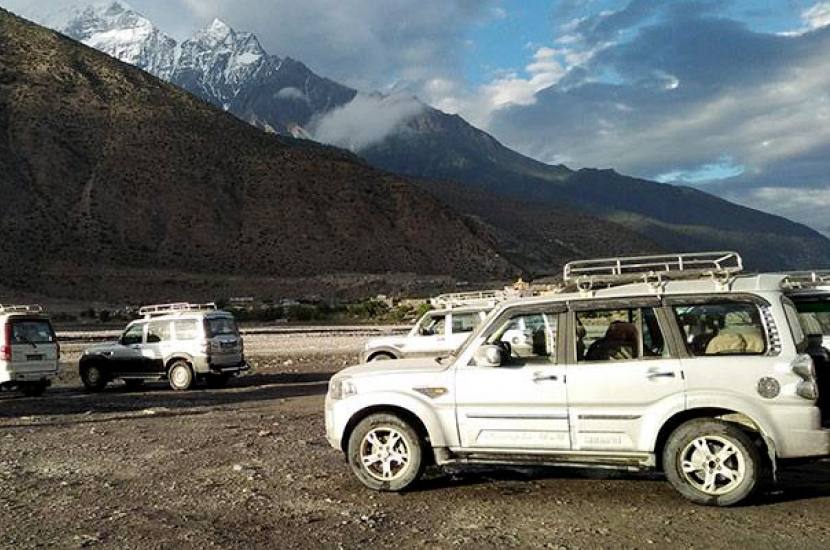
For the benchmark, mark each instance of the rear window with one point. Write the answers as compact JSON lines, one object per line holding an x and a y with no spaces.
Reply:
{"x":218,"y":326}
{"x":728,"y":328}
{"x":32,"y":331}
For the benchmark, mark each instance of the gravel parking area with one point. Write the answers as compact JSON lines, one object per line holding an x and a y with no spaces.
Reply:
{"x":247,"y":466}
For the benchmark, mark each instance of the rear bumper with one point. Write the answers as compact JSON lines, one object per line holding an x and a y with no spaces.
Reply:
{"x":13,"y":377}
{"x":230,"y":369}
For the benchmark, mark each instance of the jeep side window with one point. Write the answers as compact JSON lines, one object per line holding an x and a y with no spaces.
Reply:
{"x":133,"y":335}
{"x":433,"y":326}
{"x":610,"y":335}
{"x":529,"y":338}
{"x":726,"y":328}
{"x":158,"y":331}
{"x":464,"y":322}
{"x":186,"y":329}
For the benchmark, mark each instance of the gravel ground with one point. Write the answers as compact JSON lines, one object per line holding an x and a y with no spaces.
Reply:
{"x":247,"y":466}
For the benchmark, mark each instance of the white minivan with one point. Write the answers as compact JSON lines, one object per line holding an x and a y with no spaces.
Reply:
{"x":29,"y":350}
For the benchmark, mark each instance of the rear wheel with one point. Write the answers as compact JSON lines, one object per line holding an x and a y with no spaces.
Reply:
{"x":712,"y":462}
{"x":382,"y":356}
{"x":386,"y":453}
{"x":180,"y":376}
{"x":93,"y":377}
{"x":33,"y":389}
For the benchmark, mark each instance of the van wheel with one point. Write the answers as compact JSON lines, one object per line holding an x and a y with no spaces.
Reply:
{"x":386,"y":453}
{"x":180,"y":376}
{"x":33,"y":389}
{"x":712,"y":462}
{"x":93,"y":378}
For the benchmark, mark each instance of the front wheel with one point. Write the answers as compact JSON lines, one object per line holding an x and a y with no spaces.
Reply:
{"x":93,"y":378}
{"x":386,"y":453}
{"x":712,"y":462}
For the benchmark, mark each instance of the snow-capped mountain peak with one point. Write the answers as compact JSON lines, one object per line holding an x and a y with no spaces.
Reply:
{"x":118,"y":30}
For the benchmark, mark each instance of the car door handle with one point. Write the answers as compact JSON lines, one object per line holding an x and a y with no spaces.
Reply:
{"x":541,"y":377}
{"x":660,"y":374}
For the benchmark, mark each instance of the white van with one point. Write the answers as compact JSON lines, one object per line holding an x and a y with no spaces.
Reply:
{"x":29,"y":349}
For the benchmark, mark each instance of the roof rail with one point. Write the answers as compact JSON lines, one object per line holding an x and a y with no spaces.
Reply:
{"x":180,"y":307}
{"x":34,"y":308}
{"x":806,"y":279}
{"x":624,"y":270}
{"x":474,"y":298}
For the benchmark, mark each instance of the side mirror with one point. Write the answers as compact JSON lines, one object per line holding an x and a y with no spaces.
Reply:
{"x":488,"y":356}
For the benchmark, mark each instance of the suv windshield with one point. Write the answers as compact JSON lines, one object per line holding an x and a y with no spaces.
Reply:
{"x":815,"y":311}
{"x":219,"y":326}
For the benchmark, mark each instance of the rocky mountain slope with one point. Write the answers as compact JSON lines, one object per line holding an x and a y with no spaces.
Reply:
{"x":233,"y":71}
{"x":112,"y":180}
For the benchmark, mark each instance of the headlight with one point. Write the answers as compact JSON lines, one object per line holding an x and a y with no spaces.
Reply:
{"x":340,"y":388}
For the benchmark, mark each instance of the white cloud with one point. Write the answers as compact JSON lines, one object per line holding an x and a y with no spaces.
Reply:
{"x":290,"y":92}
{"x":808,"y":205}
{"x":364,"y":121}
{"x":817,"y":16}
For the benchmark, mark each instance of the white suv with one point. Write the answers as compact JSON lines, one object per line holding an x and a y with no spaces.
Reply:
{"x":29,"y":349}
{"x":695,"y":370}
{"x":179,"y":342}
{"x":437,"y":332}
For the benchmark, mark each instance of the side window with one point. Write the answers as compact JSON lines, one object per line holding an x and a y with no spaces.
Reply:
{"x":529,"y":338}
{"x":727,"y":328}
{"x":158,"y":331}
{"x":133,"y":335}
{"x":186,"y":329}
{"x":608,"y":335}
{"x":464,"y":322}
{"x":434,"y":326}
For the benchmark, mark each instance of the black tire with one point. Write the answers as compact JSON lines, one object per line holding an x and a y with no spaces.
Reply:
{"x":406,"y":443}
{"x":33,"y":389}
{"x":180,"y":376}
{"x":381,"y":356}
{"x":134,"y":383}
{"x":93,"y":377}
{"x":712,"y":462}
{"x":217,"y":381}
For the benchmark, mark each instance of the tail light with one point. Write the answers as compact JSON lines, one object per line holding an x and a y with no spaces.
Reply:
{"x":6,"y":349}
{"x":804,"y":367}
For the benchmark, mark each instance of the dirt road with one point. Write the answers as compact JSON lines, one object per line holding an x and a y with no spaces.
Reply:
{"x":247,"y":466}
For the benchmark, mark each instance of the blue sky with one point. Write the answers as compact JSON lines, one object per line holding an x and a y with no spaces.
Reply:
{"x":731,"y":96}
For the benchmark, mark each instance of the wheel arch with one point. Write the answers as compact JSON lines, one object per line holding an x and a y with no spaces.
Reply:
{"x":179,"y":357}
{"x":384,"y":350}
{"x":719,"y":413}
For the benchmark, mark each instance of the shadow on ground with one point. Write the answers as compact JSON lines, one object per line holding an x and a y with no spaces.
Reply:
{"x":160,"y":399}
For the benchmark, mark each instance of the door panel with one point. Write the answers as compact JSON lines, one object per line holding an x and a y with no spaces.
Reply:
{"x":623,"y":373}
{"x":520,"y":405}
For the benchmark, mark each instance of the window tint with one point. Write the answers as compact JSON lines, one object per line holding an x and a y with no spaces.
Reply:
{"x":814,"y":314}
{"x":464,"y":322}
{"x":433,"y":325}
{"x":609,"y":335}
{"x":186,"y":329}
{"x":158,"y":331}
{"x":218,"y":326}
{"x":133,"y":335}
{"x":31,"y":331}
{"x":727,"y":328}
{"x":796,"y":329}
{"x":530,"y":338}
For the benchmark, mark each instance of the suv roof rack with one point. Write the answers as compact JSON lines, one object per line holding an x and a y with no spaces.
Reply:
{"x":806,"y":279}
{"x":473,"y":298}
{"x":624,"y":270}
{"x":180,"y":307}
{"x":34,"y":308}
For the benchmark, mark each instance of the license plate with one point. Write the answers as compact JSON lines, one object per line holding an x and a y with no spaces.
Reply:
{"x":34,"y":357}
{"x":228,"y":345}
